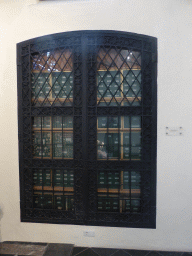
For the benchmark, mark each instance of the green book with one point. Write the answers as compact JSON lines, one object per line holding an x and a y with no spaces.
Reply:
{"x":40,"y":85}
{"x":59,"y":202}
{"x":108,"y":83}
{"x":132,"y":83}
{"x":108,"y":204}
{"x":43,"y":201}
{"x":58,"y":178}
{"x":62,"y":85}
{"x":108,"y":180}
{"x":135,"y":180}
{"x":68,"y":178}
{"x":42,"y":178}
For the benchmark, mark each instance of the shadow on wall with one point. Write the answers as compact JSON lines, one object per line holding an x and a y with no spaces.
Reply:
{"x":1,"y":216}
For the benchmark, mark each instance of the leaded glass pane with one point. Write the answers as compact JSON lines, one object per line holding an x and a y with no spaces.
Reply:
{"x":119,"y":191}
{"x":52,"y":78}
{"x":118,"y":77}
{"x":53,"y":137}
{"x":53,"y":189}
{"x":119,"y":137}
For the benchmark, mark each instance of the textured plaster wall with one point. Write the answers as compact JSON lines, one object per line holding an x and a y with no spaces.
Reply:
{"x":168,"y":20}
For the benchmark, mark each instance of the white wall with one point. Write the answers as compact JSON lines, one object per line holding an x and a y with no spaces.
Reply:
{"x":168,"y":20}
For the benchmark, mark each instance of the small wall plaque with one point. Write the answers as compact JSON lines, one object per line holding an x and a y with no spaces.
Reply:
{"x":174,"y":131}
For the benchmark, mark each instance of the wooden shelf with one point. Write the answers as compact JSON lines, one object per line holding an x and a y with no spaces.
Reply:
{"x":117,"y":191}
{"x":46,"y":188}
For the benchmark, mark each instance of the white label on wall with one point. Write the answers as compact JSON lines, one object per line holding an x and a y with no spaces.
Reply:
{"x":174,"y":131}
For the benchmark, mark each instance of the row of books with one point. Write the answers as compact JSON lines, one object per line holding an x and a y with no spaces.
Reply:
{"x":48,"y":201}
{"x":56,"y":122}
{"x":109,"y":204}
{"x":114,"y":180}
{"x":110,"y":84}
{"x":57,"y":178}
{"x":104,"y":122}
{"x":60,"y":145}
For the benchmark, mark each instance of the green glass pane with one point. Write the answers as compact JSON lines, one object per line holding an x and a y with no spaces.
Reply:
{"x":69,"y":203}
{"x":41,"y":145}
{"x":46,"y":150}
{"x":46,"y":122}
{"x":108,"y":84}
{"x":68,"y":145}
{"x":42,"y":178}
{"x":136,"y":153}
{"x":135,"y":122}
{"x":108,"y":145}
{"x":37,"y":177}
{"x":132,"y":103}
{"x":42,"y":122}
{"x":112,"y":141}
{"x":57,"y":137}
{"x":59,"y":202}
{"x":108,"y":180}
{"x":135,"y":205}
{"x":68,"y":178}
{"x":37,"y":150}
{"x":126,"y":122}
{"x":68,"y":139}
{"x":63,"y":202}
{"x":126,"y":180}
{"x":108,"y":204}
{"x":62,"y":85}
{"x":113,"y":179}
{"x":102,"y":179}
{"x":37,"y":138}
{"x":127,"y":205}
{"x":113,"y":122}
{"x":57,"y":122}
{"x":68,"y":122}
{"x":135,"y":180}
{"x":37,"y":122}
{"x":101,"y":146}
{"x":40,"y":85}
{"x":132,"y":83}
{"x":46,"y":178}
{"x":57,"y":150}
{"x":68,"y":152}
{"x":58,"y":178}
{"x":102,"y":122}
{"x":46,"y":138}
{"x":62,"y":122}
{"x":43,"y":201}
{"x":136,"y":144}
{"x":57,"y":144}
{"x":126,"y":145}
{"x":135,"y":138}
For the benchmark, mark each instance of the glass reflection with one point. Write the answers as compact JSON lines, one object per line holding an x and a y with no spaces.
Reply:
{"x":119,"y":137}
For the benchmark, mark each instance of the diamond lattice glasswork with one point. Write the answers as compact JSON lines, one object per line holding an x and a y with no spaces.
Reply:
{"x":52,"y":78}
{"x":118,"y":77}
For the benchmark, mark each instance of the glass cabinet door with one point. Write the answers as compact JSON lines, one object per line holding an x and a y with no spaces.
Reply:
{"x":87,"y":128}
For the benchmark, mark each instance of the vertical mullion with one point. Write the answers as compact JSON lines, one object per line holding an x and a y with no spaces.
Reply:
{"x":62,"y":136}
{"x":119,"y":138}
{"x":122,"y":133}
{"x":31,"y":132}
{"x":142,"y":127}
{"x":130,"y":134}
{"x":84,"y":42}
{"x":107,"y":142}
{"x":154,"y":130}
